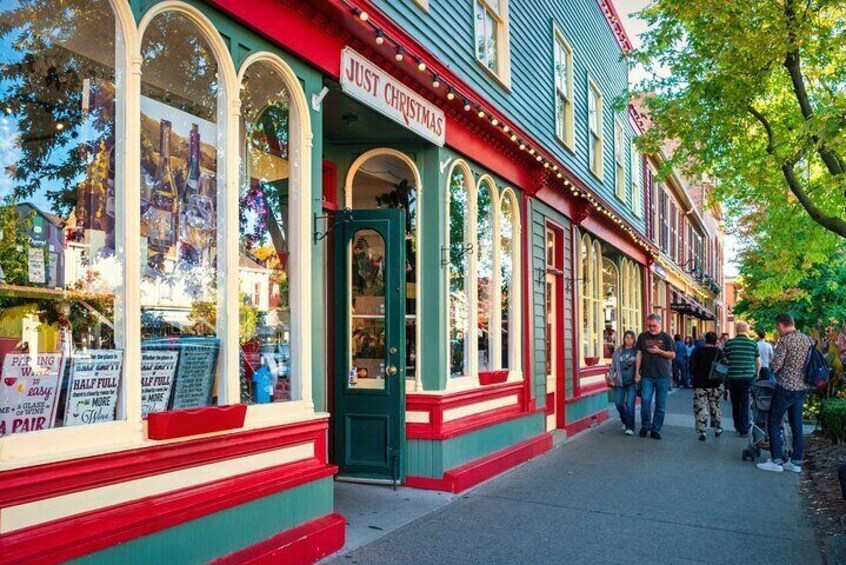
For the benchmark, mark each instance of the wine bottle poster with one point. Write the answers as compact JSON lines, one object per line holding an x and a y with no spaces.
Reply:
{"x":29,"y":386}
{"x":195,"y":373}
{"x":179,"y":189}
{"x":93,"y":387}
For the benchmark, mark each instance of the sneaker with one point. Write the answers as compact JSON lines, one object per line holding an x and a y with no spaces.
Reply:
{"x":791,"y":466}
{"x":629,"y":432}
{"x":718,"y":432}
{"x":654,"y":435}
{"x":624,"y":427}
{"x":702,"y":436}
{"x":643,"y":432}
{"x":770,"y":466}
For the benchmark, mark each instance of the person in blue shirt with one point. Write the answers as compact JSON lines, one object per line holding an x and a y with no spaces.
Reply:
{"x":681,"y":374}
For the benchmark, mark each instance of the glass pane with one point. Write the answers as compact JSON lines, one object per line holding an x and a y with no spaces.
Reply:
{"x":179,"y":196}
{"x":485,"y":270}
{"x":263,"y":274}
{"x":61,"y":252}
{"x":386,"y":181}
{"x":459,"y":315}
{"x":506,"y":246}
{"x":367,"y":311}
{"x":610,"y":298}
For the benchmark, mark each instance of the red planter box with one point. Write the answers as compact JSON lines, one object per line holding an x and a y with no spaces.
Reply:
{"x":493,"y":377}
{"x":195,"y":421}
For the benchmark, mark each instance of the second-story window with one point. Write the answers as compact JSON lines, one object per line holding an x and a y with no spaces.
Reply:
{"x":491,"y":24}
{"x":637,"y":183}
{"x":563,"y":61}
{"x":619,"y":161}
{"x":595,"y":128}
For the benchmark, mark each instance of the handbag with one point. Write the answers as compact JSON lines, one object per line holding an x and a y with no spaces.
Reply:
{"x":719,"y":370}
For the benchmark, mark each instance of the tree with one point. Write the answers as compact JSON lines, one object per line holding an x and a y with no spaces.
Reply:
{"x":755,"y":94}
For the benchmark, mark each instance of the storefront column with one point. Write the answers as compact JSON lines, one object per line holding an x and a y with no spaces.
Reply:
{"x":433,"y":285}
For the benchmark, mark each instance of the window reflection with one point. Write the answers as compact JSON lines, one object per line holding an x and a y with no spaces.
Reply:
{"x":459,"y":315}
{"x":485,"y":269}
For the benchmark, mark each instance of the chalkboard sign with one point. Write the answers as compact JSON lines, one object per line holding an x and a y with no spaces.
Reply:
{"x":195,"y":373}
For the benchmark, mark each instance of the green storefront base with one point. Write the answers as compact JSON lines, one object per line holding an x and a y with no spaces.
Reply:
{"x":475,"y":455}
{"x":224,"y":532}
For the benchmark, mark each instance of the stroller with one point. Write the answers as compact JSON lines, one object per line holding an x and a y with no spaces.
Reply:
{"x":762,"y":397}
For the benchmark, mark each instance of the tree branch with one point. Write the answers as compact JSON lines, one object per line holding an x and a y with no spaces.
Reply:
{"x":793,"y":64}
{"x":831,"y":223}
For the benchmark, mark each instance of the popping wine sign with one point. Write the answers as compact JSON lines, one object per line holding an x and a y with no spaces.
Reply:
{"x":29,"y":385}
{"x":93,"y":388}
{"x":366,"y":82}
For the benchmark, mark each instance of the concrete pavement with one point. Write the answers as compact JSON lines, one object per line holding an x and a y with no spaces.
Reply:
{"x":608,"y":498}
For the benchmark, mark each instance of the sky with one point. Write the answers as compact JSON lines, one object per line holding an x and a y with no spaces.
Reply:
{"x":634,"y":27}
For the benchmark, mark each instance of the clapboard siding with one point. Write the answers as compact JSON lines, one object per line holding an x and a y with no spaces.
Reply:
{"x":446,"y":29}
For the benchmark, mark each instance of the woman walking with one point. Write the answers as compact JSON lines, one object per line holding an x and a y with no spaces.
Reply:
{"x":706,"y":392}
{"x":622,"y":377}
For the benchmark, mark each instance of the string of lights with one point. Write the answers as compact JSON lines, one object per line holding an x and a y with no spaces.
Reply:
{"x":381,"y":38}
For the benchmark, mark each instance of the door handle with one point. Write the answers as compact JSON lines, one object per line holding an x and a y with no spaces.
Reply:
{"x":391,"y":370}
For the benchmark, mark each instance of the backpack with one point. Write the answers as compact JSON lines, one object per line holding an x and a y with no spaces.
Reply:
{"x":816,"y":370}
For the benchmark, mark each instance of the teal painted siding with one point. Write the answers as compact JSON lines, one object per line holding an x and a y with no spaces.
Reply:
{"x":242,"y":43}
{"x":586,"y":407}
{"x":530,"y":100}
{"x":224,"y":532}
{"x":427,"y":458}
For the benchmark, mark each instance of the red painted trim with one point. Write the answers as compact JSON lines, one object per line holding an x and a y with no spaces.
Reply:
{"x":550,"y":403}
{"x":436,"y":405}
{"x":493,"y":377}
{"x":471,"y":474}
{"x":304,"y":544}
{"x":587,"y":422}
{"x":616,"y":24}
{"x":606,"y":231}
{"x":587,"y":392}
{"x":330,"y":185}
{"x":77,"y":536}
{"x":593,"y":371}
{"x":29,"y":484}
{"x":195,"y":421}
{"x":529,"y":402}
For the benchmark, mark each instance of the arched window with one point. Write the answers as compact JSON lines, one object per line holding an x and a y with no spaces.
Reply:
{"x":265,"y":230}
{"x":591,"y":299}
{"x":181,"y":281}
{"x":611,"y":301}
{"x":459,"y":245}
{"x":61,"y":214}
{"x":485,"y":205}
{"x":509,"y":249}
{"x":631,"y":296}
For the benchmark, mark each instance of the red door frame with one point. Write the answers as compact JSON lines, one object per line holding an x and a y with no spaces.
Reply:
{"x":557,"y":270}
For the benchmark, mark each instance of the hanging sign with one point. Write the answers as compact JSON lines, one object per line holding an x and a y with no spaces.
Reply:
{"x":29,"y":384}
{"x":93,"y":387}
{"x":369,"y":84}
{"x":195,"y":373}
{"x":157,"y":370}
{"x":35,"y":264}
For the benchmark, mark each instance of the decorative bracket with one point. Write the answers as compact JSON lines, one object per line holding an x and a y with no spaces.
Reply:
{"x":568,"y":284}
{"x":466,"y":249}
{"x":328,"y":222}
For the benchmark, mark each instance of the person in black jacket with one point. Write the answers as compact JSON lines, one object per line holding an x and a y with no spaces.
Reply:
{"x":706,"y":392}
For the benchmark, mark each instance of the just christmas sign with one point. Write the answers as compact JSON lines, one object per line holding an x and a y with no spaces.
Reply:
{"x":369,"y":84}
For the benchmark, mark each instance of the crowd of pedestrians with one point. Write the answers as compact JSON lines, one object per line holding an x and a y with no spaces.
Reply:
{"x":716,"y":368}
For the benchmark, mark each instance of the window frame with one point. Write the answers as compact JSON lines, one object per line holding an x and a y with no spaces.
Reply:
{"x":619,"y":160}
{"x":595,"y":139}
{"x":589,"y":269}
{"x":564,"y":120}
{"x":498,"y":10}
{"x":637,"y":182}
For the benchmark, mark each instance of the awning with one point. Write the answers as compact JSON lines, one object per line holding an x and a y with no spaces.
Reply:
{"x":691,"y":307}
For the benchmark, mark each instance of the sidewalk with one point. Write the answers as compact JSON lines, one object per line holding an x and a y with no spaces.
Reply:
{"x":609,"y":498}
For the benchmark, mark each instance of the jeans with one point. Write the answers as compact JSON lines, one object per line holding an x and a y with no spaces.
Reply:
{"x":657,"y":388}
{"x":790,"y":402}
{"x":624,"y":399}
{"x":681,"y":375}
{"x":739,"y":391}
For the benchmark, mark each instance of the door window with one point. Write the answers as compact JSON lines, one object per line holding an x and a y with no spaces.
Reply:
{"x":367,"y":311}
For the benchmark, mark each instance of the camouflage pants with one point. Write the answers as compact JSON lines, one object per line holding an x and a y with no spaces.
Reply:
{"x":706,"y":402}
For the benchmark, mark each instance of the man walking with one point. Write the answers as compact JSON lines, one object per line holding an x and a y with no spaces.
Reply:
{"x":680,"y":373}
{"x":765,"y":352}
{"x":743,"y":364}
{"x":653,"y":369}
{"x":789,"y":366}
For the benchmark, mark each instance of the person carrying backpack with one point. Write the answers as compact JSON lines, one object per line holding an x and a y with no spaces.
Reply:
{"x":789,"y":366}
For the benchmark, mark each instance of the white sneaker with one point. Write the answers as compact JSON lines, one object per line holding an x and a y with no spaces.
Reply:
{"x":629,"y":433}
{"x":790,"y":466}
{"x":770,"y":466}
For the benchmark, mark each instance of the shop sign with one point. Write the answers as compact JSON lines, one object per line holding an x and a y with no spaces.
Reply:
{"x":659,"y":270}
{"x":195,"y":373}
{"x":369,"y":84}
{"x":29,"y":385}
{"x":93,"y":387}
{"x":157,"y":370}
{"x":35,"y":257}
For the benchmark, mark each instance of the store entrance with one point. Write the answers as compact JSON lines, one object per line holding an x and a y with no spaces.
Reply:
{"x":370,"y":349}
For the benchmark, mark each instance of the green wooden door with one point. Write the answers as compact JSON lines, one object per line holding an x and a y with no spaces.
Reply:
{"x":369,"y":413}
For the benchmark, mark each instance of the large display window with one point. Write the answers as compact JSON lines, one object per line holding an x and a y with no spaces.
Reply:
{"x":121,"y":277}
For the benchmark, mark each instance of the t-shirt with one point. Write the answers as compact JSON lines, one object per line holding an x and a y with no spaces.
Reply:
{"x":741,"y":353}
{"x":653,"y":365}
{"x":765,"y":350}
